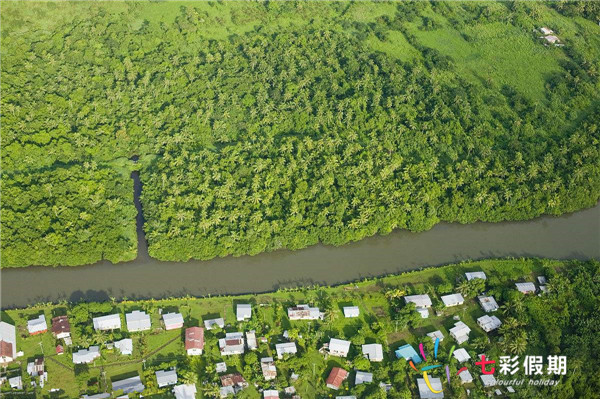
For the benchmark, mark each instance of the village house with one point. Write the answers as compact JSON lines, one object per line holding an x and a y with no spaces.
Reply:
{"x":37,"y":326}
{"x":303,"y":312}
{"x":489,"y":323}
{"x":251,"y":340}
{"x":471,"y":275}
{"x":546,"y":31}
{"x":339,"y":347}
{"x":185,"y":391}
{"x":210,"y":324}
{"x":129,"y":385}
{"x":285,"y":348}
{"x":542,"y":280}
{"x":453,"y":300}
{"x":84,"y":356}
{"x":268,"y":368}
{"x":36,"y":368}
{"x":465,"y":377}
{"x":422,"y":304}
{"x":108,"y":322}
{"x":461,"y":355}
{"x":336,"y":378}
{"x":124,"y":346}
{"x":363,"y":377}
{"x":373,"y":352}
{"x":60,"y":350}
{"x":270,"y":394}
{"x":166,"y":377}
{"x":243,"y":312}
{"x":351,"y":311}
{"x":16,"y":382}
{"x":526,"y":288}
{"x":435,"y":335}
{"x":460,"y":332}
{"x":232,"y":344}
{"x":551,"y":39}
{"x":488,"y":303}
{"x":194,"y":341}
{"x":8,"y":343}
{"x":103,"y":395}
{"x":233,"y":383}
{"x":172,"y":321}
{"x":408,"y":353}
{"x":488,"y":380}
{"x":425,"y":392}
{"x":61,"y":328}
{"x":137,"y":321}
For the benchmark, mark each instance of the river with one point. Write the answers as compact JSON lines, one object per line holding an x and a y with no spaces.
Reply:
{"x":575,"y":236}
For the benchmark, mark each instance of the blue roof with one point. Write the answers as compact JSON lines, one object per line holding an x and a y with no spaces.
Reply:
{"x":409,"y":353}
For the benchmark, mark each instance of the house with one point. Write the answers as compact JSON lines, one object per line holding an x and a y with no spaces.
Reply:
{"x":351,"y":311}
{"x":373,"y":352}
{"x":471,"y":275}
{"x":61,"y":328}
{"x":460,"y":332}
{"x":336,"y":377}
{"x":510,"y":389}
{"x":129,"y":385}
{"x":551,"y":39}
{"x":16,"y":382}
{"x":221,"y":367}
{"x":268,"y":368}
{"x":251,"y":340}
{"x":185,"y":391}
{"x":435,"y":335}
{"x":104,"y":395}
{"x":84,"y":356}
{"x":546,"y":31}
{"x":137,"y":321}
{"x":420,"y":301}
{"x":36,"y":368}
{"x":543,"y":289}
{"x":542,"y":280}
{"x":461,"y":355}
{"x":60,"y":350}
{"x":173,"y":321}
{"x":225,"y":392}
{"x":465,"y":377}
{"x":425,"y":392}
{"x":526,"y":288}
{"x":453,"y":300}
{"x":303,"y":312}
{"x":210,"y":324}
{"x":488,"y":303}
{"x":363,"y":378}
{"x":166,"y":377}
{"x":339,"y":347}
{"x":232,"y":344}
{"x":194,"y":341}
{"x":289,"y":390}
{"x":108,"y":322}
{"x":243,"y":312}
{"x":270,"y":394}
{"x":489,"y":323}
{"x":8,"y":342}
{"x":37,"y":326}
{"x":488,"y":380}
{"x":285,"y":348}
{"x":235,"y":381}
{"x":408,"y":353}
{"x":124,"y":346}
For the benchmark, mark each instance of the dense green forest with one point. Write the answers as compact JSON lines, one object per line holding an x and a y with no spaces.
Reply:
{"x":282,"y":124}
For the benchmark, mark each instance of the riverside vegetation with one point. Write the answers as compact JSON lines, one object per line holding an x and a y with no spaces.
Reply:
{"x":273,"y":125}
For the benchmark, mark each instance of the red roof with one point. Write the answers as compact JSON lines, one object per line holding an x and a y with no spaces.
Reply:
{"x":59,"y":349}
{"x":60,"y":324}
{"x":336,"y":377}
{"x":194,"y":338}
{"x":6,"y":349}
{"x":232,"y":379}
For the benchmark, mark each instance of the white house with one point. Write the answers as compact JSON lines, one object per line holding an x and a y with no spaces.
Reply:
{"x":460,"y":332}
{"x":453,"y":300}
{"x":37,"y":325}
{"x":351,"y":311}
{"x":489,"y":323}
{"x":339,"y":347}
{"x":303,"y":312}
{"x":471,"y":275}
{"x":8,"y":342}
{"x":221,"y":367}
{"x":552,"y":39}
{"x":232,"y":344}
{"x":173,"y":321}
{"x":210,"y":324}
{"x":137,"y":321}
{"x":488,"y":380}
{"x":285,"y":348}
{"x":436,"y":334}
{"x":108,"y":322}
{"x":425,"y":392}
{"x":166,"y":377}
{"x":251,"y":340}
{"x":125,"y":346}
{"x":129,"y":385}
{"x":465,"y":377}
{"x":488,"y":303}
{"x":363,"y":378}
{"x":461,"y":355}
{"x":267,"y":365}
{"x":243,"y":312}
{"x":83,"y":356}
{"x":16,"y":382}
{"x":373,"y":352}
{"x":546,"y":31}
{"x":270,"y":394}
{"x":186,"y":391}
{"x":420,"y":301}
{"x":526,"y":288}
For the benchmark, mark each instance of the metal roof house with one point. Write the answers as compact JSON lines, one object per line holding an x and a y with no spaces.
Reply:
{"x":363,"y":377}
{"x":453,"y":300}
{"x":465,"y":377}
{"x":489,"y":323}
{"x":108,"y":322}
{"x":471,"y":275}
{"x":425,"y":392}
{"x":526,"y":288}
{"x":488,"y":303}
{"x":373,"y":352}
{"x":129,"y":385}
{"x":210,"y":324}
{"x":285,"y":348}
{"x":251,"y":340}
{"x":232,"y":344}
{"x":461,"y":355}
{"x":125,"y":346}
{"x":243,"y":312}
{"x":172,"y":321}
{"x":409,"y":353}
{"x":303,"y":312}
{"x":336,"y":377}
{"x":185,"y":391}
{"x":137,"y":321}
{"x":270,"y":394}
{"x":194,"y":341}
{"x":267,"y":365}
{"x":61,"y":328}
{"x":488,"y":380}
{"x":436,"y":334}
{"x":166,"y":377}
{"x":8,"y":342}
{"x":460,"y":332}
{"x":339,"y":347}
{"x":38,"y":325}
{"x":351,"y":311}
{"x":88,"y":355}
{"x":546,"y":31}
{"x":420,"y":301}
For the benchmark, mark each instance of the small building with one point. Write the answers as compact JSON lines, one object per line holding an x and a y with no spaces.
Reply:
{"x":425,"y":392}
{"x":267,"y":365}
{"x":60,"y":350}
{"x":108,"y":322}
{"x":232,"y":344}
{"x":488,"y":380}
{"x":551,"y":39}
{"x":37,"y":325}
{"x":351,"y":311}
{"x":36,"y":368}
{"x":221,"y":367}
{"x":303,"y":312}
{"x":137,"y":321}
{"x":363,"y":377}
{"x":285,"y":348}
{"x":465,"y":377}
{"x":460,"y":332}
{"x":16,"y":382}
{"x":166,"y":377}
{"x":526,"y":288}
{"x":8,"y":343}
{"x":488,"y":303}
{"x":104,"y":395}
{"x":243,"y":312}
{"x":124,"y":346}
{"x":424,"y":312}
{"x":185,"y":391}
{"x":270,"y":394}
{"x":61,"y":328}
{"x":435,"y":335}
{"x":543,"y":289}
{"x":510,"y":389}
{"x":408,"y":353}
{"x":453,"y":300}
{"x":251,"y":340}
{"x":129,"y":385}
{"x":461,"y":355}
{"x":210,"y":324}
{"x":84,"y":356}
{"x":234,"y":381}
{"x":471,"y":275}
{"x":489,"y":323}
{"x":336,"y":378}
{"x":542,"y":280}
{"x":173,"y":321}
{"x":546,"y":31}
{"x":420,"y":301}
{"x":339,"y":347}
{"x":194,"y":341}
{"x":373,"y":352}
